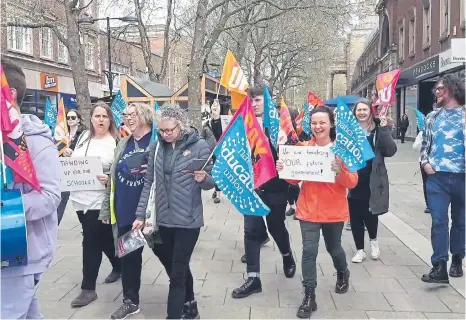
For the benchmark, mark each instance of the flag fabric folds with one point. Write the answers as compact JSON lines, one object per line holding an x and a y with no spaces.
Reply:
{"x":60,"y":133}
{"x":50,"y":114}
{"x":233,"y":170}
{"x":117,"y":107}
{"x":233,"y":79}
{"x":420,"y":119}
{"x":287,"y":134}
{"x":351,"y":144}
{"x":15,"y":149}
{"x":262,"y":158}
{"x":154,"y":126}
{"x":271,"y":120}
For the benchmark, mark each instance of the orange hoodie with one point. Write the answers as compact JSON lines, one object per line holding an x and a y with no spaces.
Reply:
{"x":324,"y":202}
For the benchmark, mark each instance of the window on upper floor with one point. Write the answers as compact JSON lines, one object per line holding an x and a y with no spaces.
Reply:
{"x":20,"y":39}
{"x":462,"y":13}
{"x":445,"y":17}
{"x":62,"y":50}
{"x":426,"y":29}
{"x":412,"y":36}
{"x":401,"y":42}
{"x":46,"y":43}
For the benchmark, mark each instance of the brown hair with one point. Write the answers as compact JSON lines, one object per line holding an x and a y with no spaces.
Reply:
{"x":112,"y":129}
{"x":368,"y":103}
{"x":16,"y":79}
{"x":255,"y":91}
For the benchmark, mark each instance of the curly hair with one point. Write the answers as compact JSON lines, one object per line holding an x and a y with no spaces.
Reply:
{"x":173,"y":112}
{"x":454,"y":86}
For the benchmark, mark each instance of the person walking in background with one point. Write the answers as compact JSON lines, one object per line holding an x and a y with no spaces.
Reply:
{"x":19,"y":284}
{"x":370,"y":197}
{"x":443,"y":159}
{"x":322,"y":206}
{"x":75,"y":129}
{"x":99,"y":141}
{"x":404,"y":124}
{"x":417,"y":146}
{"x":178,"y":201}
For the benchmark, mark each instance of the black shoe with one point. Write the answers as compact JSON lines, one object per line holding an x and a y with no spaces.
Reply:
{"x":252,"y":285}
{"x":214,"y":195}
{"x":290,"y":212}
{"x":438,"y":274}
{"x":127,"y":308}
{"x":243,"y":258}
{"x":308,"y":305}
{"x":216,"y":200}
{"x":342,"y":281}
{"x":456,"y":268}
{"x":427,"y":210}
{"x":84,"y":298}
{"x":289,"y":266}
{"x":190,"y":310}
{"x":113,"y":277}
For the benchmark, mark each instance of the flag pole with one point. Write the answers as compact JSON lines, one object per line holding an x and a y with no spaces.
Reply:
{"x":208,"y":159}
{"x":2,"y":154}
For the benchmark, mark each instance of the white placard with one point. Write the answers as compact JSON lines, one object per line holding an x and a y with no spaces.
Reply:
{"x":80,"y":173}
{"x":307,"y":163}
{"x":225,"y":119}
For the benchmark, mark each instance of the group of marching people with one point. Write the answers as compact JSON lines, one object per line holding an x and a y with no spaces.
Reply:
{"x":136,"y":166}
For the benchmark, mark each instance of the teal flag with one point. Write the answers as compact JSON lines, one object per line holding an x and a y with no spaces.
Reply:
{"x":154,"y":126}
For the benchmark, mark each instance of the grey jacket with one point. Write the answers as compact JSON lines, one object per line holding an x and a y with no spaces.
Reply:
{"x":180,"y":204}
{"x":385,"y":146}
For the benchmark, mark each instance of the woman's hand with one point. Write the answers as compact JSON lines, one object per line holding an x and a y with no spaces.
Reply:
{"x":137,"y":225}
{"x":200,"y":176}
{"x":336,"y":166}
{"x":279,"y":166}
{"x":383,"y":121}
{"x":105,"y":221}
{"x":103,"y":178}
{"x":68,"y":152}
{"x":429,"y":169}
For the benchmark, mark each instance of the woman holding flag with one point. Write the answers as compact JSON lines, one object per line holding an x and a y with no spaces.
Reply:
{"x":322,"y":205}
{"x":370,"y":197}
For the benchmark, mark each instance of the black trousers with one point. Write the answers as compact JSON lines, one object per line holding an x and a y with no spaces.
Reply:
{"x":403,"y":134}
{"x":179,"y":244}
{"x":61,"y":208}
{"x":360,"y":216}
{"x":293,"y":194}
{"x":254,"y":234}
{"x":424,"y":180}
{"x":97,"y":238}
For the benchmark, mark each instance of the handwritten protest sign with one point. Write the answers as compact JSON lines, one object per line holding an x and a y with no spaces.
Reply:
{"x":80,"y":174}
{"x":225,"y":119}
{"x":307,"y":163}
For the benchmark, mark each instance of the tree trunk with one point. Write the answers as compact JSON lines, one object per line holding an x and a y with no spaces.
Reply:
{"x":145,"y":44}
{"x":195,"y":65}
{"x":166,"y":42}
{"x":77,"y":62}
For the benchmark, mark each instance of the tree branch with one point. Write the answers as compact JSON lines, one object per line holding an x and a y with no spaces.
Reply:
{"x":50,"y":25}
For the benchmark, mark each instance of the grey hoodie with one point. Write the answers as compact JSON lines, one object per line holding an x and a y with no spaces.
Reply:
{"x":40,"y":208}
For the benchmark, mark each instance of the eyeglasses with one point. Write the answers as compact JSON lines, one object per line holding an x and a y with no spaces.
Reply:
{"x":71,"y":117}
{"x":439,"y":88}
{"x":129,"y":115}
{"x":167,"y":131}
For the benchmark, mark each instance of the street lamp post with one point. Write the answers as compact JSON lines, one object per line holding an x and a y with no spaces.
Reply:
{"x":88,"y":20}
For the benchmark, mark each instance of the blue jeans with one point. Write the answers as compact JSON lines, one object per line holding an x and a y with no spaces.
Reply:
{"x":443,"y":189}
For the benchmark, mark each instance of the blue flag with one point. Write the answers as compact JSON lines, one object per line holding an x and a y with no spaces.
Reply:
{"x":351,"y":144}
{"x":306,"y":119}
{"x":154,"y":126}
{"x":271,"y":119}
{"x":232,"y":171}
{"x":420,"y":119}
{"x":8,"y":178}
{"x":50,"y":118}
{"x":118,"y":105}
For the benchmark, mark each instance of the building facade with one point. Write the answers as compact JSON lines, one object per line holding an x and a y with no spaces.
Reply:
{"x":415,"y":37}
{"x":43,"y":58}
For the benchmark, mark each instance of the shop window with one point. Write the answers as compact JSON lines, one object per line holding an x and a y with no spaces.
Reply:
{"x":445,"y":18}
{"x":46,"y":43}
{"x":34,"y":102}
{"x":426,"y":19}
{"x":412,"y":36}
{"x":19,"y":39}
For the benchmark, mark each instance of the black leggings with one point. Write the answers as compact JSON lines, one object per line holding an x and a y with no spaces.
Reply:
{"x":293,"y":194}
{"x":424,"y":180}
{"x":360,"y":216}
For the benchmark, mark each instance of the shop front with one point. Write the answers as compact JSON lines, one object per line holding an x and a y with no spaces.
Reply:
{"x":447,"y":66}
{"x":414,"y":91}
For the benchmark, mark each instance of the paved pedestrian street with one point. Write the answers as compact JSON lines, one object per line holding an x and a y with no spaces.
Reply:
{"x":387,"y":288}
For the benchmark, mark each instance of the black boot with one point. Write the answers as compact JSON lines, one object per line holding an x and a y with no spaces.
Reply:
{"x":456,"y":268}
{"x":190,"y":310}
{"x":289,"y":266}
{"x":252,"y":285}
{"x":308,"y":305}
{"x":290,"y":212}
{"x":438,"y":274}
{"x":342,"y":281}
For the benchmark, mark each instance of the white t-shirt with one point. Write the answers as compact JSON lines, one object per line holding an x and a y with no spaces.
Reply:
{"x":103,"y":148}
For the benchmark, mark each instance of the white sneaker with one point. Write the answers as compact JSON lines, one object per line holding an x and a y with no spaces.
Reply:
{"x":359,"y":256}
{"x":375,"y":251}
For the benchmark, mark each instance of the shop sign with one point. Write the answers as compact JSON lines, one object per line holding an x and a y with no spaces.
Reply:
{"x":457,"y":49}
{"x":446,"y":62}
{"x":49,"y":82}
{"x":426,"y":69}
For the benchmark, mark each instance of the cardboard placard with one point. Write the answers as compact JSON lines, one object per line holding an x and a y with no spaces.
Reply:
{"x":307,"y":163}
{"x":80,"y":174}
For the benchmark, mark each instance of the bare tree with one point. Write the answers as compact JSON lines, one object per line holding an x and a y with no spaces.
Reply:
{"x":71,"y":10}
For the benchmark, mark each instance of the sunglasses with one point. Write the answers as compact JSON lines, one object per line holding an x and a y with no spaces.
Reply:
{"x":71,"y":117}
